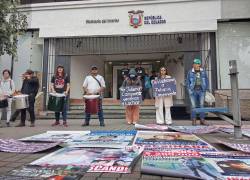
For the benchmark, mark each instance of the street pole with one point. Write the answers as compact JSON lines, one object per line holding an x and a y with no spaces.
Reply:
{"x":235,"y":98}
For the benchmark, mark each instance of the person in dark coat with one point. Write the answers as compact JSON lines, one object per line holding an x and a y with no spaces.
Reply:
{"x":30,"y":87}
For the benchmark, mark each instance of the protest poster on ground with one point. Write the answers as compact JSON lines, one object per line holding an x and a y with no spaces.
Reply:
{"x":56,"y":136}
{"x":231,"y":165}
{"x":151,"y":127}
{"x":52,"y":172}
{"x":116,"y":160}
{"x":107,"y":139}
{"x":195,"y":129}
{"x":164,"y":87}
{"x":170,"y":140}
{"x":178,"y":163}
{"x":131,"y":95}
{"x":16,"y":146}
{"x":69,"y":156}
{"x":237,"y":146}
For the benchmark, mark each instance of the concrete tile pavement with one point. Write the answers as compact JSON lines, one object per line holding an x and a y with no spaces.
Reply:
{"x":10,"y":161}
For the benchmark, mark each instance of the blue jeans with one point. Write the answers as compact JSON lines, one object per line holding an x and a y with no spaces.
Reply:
{"x":197,"y":99}
{"x":64,"y":112}
{"x":100,"y":113}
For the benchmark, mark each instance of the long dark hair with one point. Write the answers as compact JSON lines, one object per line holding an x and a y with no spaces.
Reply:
{"x":57,"y":73}
{"x":160,"y":71}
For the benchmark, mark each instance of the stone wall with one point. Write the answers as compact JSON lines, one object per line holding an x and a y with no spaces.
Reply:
{"x":223,"y":99}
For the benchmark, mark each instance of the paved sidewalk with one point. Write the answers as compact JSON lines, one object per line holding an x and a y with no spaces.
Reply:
{"x":10,"y":161}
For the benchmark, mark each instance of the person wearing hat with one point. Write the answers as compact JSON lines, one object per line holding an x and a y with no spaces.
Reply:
{"x":197,"y":84}
{"x":30,"y":87}
{"x":163,"y":101}
{"x":132,"y":111}
{"x":94,"y":84}
{"x":60,"y":83}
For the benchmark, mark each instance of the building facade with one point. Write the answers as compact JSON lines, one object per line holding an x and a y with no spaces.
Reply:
{"x":111,"y":33}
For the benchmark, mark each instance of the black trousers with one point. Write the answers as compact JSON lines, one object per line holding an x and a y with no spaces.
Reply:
{"x":31,"y":111}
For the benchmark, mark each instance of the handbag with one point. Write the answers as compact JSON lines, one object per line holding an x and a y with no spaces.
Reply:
{"x":209,"y":97}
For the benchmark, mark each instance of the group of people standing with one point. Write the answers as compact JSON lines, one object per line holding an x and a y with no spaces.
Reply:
{"x":196,"y":83}
{"x":134,"y":78}
{"x":30,"y":87}
{"x":94,"y":84}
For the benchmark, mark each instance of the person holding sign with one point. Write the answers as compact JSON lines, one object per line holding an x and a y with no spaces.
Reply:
{"x":197,"y":84}
{"x":164,"y":88}
{"x":135,"y":84}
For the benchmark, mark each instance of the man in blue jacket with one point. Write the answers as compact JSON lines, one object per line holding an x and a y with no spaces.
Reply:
{"x":197,"y":84}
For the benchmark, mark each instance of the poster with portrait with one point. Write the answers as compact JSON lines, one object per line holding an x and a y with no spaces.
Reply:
{"x":231,"y":165}
{"x":69,"y":156}
{"x":170,"y":140}
{"x":178,"y":163}
{"x":116,"y":160}
{"x":49,"y":172}
{"x":107,"y":139}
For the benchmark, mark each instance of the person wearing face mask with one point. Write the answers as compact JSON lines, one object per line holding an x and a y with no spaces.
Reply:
{"x":132,"y":111}
{"x":7,"y":88}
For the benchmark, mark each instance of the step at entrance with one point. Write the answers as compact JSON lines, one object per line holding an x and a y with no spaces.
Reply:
{"x":118,"y":112}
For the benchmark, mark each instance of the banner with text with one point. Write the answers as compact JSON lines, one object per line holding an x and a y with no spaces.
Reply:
{"x":131,"y":95}
{"x":164,"y":87}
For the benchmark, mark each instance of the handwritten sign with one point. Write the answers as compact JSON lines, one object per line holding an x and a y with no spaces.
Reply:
{"x":131,"y":95}
{"x":164,"y":87}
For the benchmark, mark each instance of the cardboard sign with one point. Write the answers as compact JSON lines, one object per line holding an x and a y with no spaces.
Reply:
{"x":164,"y":87}
{"x":131,"y":95}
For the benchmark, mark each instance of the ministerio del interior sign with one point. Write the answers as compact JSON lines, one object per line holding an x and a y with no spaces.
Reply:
{"x":136,"y":19}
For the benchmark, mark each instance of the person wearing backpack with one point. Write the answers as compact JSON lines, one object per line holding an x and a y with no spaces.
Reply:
{"x":7,"y":88}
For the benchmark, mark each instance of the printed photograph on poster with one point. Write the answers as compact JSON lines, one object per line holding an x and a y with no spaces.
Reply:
{"x":107,"y":139}
{"x":69,"y":156}
{"x":230,"y":165}
{"x":116,"y":160}
{"x":178,"y":163}
{"x":173,"y":140}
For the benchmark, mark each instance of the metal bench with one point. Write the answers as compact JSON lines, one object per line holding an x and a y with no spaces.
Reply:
{"x":221,"y":112}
